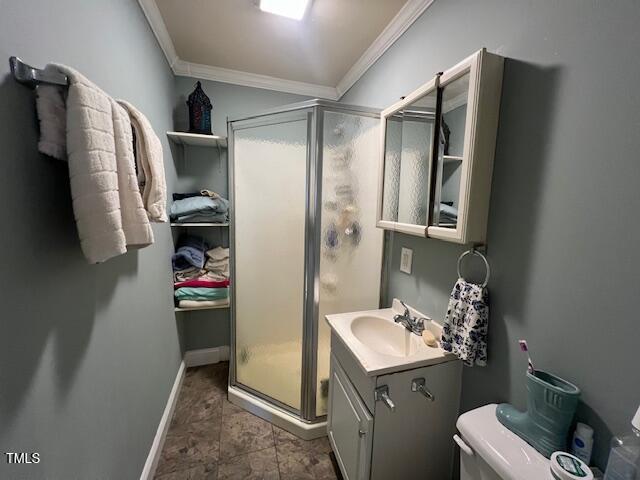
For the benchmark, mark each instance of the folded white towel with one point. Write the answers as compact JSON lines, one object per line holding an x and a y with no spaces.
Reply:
{"x":218,"y":262}
{"x":203,"y":303}
{"x":107,"y":206}
{"x":150,"y":165}
{"x":218,"y":253}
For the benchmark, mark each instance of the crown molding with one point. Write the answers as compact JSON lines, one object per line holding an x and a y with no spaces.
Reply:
{"x":236,"y":77}
{"x":156,"y":22}
{"x":405,"y":17}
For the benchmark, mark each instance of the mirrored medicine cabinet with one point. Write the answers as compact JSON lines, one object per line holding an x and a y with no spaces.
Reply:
{"x":437,"y":149}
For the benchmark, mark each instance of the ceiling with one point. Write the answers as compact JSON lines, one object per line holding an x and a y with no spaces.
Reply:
{"x":234,"y":41}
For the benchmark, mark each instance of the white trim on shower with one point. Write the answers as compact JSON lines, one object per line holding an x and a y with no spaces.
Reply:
{"x":276,"y":416}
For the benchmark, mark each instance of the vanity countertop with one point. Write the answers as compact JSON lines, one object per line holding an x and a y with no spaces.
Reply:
{"x":382,"y":346}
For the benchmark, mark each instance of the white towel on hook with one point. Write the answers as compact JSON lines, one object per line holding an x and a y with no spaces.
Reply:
{"x":106,"y":201}
{"x":150,"y":165}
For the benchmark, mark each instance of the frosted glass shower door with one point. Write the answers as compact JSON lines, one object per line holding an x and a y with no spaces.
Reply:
{"x":350,"y":243}
{"x":270,"y":178}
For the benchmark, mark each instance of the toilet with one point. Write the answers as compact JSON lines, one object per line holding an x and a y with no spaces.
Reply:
{"x":490,"y":451}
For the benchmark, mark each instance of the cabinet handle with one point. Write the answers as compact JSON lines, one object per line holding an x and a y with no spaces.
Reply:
{"x":361,"y":433}
{"x":382,"y":394}
{"x":419,"y":385}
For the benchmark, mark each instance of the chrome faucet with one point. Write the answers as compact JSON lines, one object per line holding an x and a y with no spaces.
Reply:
{"x":413,"y":324}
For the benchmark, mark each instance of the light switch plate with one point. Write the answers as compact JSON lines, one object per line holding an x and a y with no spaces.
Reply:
{"x":406,"y":258}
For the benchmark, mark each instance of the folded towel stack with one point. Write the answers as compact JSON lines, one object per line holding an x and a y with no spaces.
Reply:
{"x":201,"y":293}
{"x":200,"y":274}
{"x":190,"y":252}
{"x":199,"y":207}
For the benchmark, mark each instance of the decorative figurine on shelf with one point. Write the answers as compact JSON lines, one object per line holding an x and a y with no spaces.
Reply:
{"x":199,"y":111}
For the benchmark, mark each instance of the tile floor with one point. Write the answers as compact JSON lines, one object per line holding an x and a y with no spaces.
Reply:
{"x":209,"y":438}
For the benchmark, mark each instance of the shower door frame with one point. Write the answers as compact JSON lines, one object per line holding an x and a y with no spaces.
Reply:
{"x":313,"y":111}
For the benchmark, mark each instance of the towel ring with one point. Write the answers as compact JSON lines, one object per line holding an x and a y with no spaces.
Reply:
{"x":473,"y":251}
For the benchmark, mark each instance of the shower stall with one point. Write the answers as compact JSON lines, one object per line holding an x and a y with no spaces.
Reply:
{"x":304,"y":244}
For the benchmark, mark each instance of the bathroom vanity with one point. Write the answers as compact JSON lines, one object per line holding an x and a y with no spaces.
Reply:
{"x":393,"y":400}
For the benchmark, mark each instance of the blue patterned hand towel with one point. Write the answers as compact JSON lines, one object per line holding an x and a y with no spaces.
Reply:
{"x":467,"y":322}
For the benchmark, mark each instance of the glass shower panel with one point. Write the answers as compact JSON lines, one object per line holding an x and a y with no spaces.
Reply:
{"x":351,"y":245}
{"x":270,"y":172}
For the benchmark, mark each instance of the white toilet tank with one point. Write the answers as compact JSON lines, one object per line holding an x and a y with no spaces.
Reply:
{"x":490,"y":451}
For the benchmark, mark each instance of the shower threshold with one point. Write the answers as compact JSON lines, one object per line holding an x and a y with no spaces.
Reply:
{"x":284,"y":420}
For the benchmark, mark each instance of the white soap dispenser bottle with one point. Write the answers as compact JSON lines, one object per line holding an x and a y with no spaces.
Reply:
{"x":582,"y":443}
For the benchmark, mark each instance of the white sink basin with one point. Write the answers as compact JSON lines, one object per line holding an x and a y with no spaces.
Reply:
{"x":382,"y":336}
{"x":382,"y":346}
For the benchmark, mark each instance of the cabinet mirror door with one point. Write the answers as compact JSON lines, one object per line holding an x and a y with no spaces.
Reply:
{"x":450,"y":152}
{"x":408,"y":150}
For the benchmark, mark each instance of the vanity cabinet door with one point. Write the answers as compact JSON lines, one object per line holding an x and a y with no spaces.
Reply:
{"x":349,"y":425}
{"x":413,"y":440}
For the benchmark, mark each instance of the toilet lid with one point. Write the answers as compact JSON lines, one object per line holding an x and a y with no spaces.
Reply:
{"x":511,"y":457}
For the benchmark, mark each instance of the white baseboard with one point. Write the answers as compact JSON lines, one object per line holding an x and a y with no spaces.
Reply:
{"x":192,"y":358}
{"x":153,"y":458}
{"x":206,"y":356}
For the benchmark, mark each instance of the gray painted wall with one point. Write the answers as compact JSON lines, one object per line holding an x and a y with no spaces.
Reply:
{"x":88,"y":353}
{"x":198,"y":167}
{"x":563,"y":230}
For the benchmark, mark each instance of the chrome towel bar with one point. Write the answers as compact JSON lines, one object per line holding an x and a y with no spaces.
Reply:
{"x":31,"y":76}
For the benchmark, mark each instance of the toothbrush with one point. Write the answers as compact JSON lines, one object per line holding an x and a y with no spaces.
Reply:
{"x":524,"y":347}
